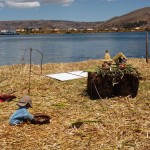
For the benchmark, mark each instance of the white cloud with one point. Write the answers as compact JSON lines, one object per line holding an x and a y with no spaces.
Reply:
{"x":32,"y":3}
{"x":62,"y":2}
{"x":23,"y":4}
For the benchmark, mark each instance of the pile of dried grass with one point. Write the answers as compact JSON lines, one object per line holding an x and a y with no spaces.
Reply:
{"x":118,"y":123}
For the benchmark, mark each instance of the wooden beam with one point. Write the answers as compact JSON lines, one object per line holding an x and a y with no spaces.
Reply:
{"x":147,"y":46}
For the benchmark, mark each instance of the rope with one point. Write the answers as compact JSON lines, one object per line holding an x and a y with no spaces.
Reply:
{"x":97,"y":91}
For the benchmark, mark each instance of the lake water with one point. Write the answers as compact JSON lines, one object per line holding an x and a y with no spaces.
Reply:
{"x":70,"y":47}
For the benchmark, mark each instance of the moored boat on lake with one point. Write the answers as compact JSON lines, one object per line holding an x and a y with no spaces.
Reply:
{"x":8,"y":32}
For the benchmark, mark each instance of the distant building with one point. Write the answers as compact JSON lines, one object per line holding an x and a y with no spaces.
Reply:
{"x":72,"y":29}
{"x":114,"y":29}
{"x":56,"y":29}
{"x":35,"y":29}
{"x":89,"y":29}
{"x":20,"y":30}
{"x":137,"y":28}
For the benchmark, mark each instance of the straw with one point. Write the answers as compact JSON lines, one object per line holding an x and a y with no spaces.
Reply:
{"x":124,"y":122}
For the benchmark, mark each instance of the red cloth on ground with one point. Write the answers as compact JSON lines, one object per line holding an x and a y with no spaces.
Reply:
{"x":4,"y":97}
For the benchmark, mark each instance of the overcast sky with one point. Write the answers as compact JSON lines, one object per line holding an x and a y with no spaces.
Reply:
{"x":72,"y":10}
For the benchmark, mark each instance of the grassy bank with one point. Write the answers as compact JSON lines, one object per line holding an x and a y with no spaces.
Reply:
{"x":120,"y":123}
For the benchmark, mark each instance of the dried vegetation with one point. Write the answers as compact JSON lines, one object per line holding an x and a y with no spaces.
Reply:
{"x":120,"y":123}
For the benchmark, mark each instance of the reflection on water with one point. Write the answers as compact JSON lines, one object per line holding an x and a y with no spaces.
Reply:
{"x":69,"y":47}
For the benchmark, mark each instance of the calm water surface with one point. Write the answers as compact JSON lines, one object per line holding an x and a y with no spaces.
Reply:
{"x":69,"y":47}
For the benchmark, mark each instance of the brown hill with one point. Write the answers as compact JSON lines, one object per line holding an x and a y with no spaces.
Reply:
{"x":140,"y":15}
{"x":132,"y":17}
{"x":47,"y":24}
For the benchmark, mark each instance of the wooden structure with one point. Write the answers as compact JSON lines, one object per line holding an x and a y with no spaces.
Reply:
{"x":115,"y":82}
{"x":120,"y":58}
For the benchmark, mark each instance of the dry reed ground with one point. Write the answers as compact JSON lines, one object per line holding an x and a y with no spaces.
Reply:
{"x":120,"y":123}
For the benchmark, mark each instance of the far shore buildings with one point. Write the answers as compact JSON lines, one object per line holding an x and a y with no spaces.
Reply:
{"x":74,"y":30}
{"x":53,"y":30}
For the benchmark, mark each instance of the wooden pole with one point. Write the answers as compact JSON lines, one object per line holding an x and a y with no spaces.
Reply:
{"x":147,"y":46}
{"x":41,"y":59}
{"x":30,"y":70}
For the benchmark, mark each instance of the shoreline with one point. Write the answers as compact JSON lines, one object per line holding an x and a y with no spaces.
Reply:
{"x":132,"y":58}
{"x":72,"y":66}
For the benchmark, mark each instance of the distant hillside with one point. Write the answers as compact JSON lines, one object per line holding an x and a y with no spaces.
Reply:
{"x":47,"y":24}
{"x":135,"y":16}
{"x":140,"y":15}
